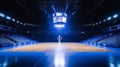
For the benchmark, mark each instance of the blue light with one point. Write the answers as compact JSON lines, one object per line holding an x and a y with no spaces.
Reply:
{"x":109,"y":18}
{"x":111,"y":62}
{"x":21,"y":23}
{"x":59,"y":25}
{"x":53,"y":15}
{"x":7,"y":17}
{"x":2,"y":15}
{"x":59,"y":17}
{"x":115,"y":16}
{"x":17,"y":21}
{"x":59,"y":58}
{"x":93,"y":24}
{"x":96,"y":23}
{"x":104,"y":20}
{"x":100,"y":22}
{"x":64,"y":19}
{"x":54,"y":20}
{"x":112,"y":65}
{"x":82,"y":32}
{"x":118,"y":65}
{"x":5,"y":64}
{"x":58,"y":14}
{"x":24,"y":24}
{"x":13,"y":19}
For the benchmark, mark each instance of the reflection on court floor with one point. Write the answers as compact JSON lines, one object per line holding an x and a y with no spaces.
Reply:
{"x":52,"y":46}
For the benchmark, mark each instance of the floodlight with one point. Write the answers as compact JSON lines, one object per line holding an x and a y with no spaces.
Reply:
{"x":17,"y":21}
{"x":104,"y":20}
{"x":115,"y":16}
{"x":8,"y":17}
{"x":100,"y":22}
{"x":21,"y":23}
{"x":2,"y":15}
{"x":109,"y":18}
{"x":59,"y":25}
{"x":13,"y":19}
{"x":58,"y":14}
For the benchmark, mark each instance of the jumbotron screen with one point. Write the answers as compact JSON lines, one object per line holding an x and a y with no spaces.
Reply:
{"x":59,"y":17}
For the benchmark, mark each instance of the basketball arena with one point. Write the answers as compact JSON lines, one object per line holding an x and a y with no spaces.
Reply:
{"x":59,"y":33}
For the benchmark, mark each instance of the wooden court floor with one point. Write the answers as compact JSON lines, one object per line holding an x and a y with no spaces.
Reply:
{"x":52,"y":46}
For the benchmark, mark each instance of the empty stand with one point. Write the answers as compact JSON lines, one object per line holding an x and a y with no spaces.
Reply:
{"x":19,"y":38}
{"x":111,"y":40}
{"x":14,"y":40}
{"x":5,"y":42}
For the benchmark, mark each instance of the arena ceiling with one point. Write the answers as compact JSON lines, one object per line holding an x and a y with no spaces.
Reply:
{"x":80,"y":12}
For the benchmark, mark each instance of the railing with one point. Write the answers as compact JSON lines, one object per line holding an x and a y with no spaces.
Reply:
{"x":7,"y":28}
{"x":112,"y":28}
{"x":17,"y":44}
